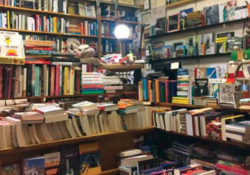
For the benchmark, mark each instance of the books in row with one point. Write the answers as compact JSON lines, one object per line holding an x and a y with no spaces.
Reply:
{"x":69,"y":159}
{"x":199,"y":45}
{"x":41,"y":23}
{"x":39,"y":80}
{"x":188,"y":18}
{"x":109,"y":46}
{"x":62,"y":6}
{"x":48,"y":122}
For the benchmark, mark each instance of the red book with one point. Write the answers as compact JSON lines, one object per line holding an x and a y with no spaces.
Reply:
{"x":37,"y":48}
{"x":166,"y":90}
{"x":37,"y":62}
{"x":10,"y":82}
{"x":52,"y":81}
{"x":78,"y":82}
{"x":95,"y":86}
{"x":57,"y":79}
{"x":37,"y":22}
{"x":1,"y":81}
{"x":234,"y":170}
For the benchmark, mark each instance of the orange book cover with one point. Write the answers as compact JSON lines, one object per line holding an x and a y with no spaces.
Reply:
{"x":157,"y":93}
{"x":149,"y":90}
{"x":55,"y":24}
{"x":89,"y":159}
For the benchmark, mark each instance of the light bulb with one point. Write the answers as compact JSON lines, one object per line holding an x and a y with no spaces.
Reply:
{"x":121,"y":31}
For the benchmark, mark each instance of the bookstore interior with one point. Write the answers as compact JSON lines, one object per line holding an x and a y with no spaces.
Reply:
{"x":124,"y":87}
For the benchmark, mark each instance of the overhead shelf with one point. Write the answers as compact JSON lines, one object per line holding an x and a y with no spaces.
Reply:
{"x":121,"y":67}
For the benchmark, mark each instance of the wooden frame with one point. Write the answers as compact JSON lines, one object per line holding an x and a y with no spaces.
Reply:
{"x":177,"y":25}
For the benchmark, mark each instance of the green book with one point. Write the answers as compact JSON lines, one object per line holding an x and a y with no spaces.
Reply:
{"x":37,"y":81}
{"x":92,"y":92}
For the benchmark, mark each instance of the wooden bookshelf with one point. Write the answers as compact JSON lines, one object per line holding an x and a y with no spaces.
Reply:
{"x":128,"y":22}
{"x":110,"y":172}
{"x":199,"y":107}
{"x":48,"y":33}
{"x":239,"y":144}
{"x":78,"y":140}
{"x":181,"y":3}
{"x":121,"y":67}
{"x":73,"y":96}
{"x":188,"y":58}
{"x":108,"y":19}
{"x":46,"y":12}
{"x":195,"y":29}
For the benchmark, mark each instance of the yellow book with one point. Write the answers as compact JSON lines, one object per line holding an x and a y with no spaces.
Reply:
{"x":8,"y":19}
{"x":55,"y":24}
{"x":72,"y":81}
{"x":65,"y":86}
{"x":157,"y":91}
{"x":140,"y":91}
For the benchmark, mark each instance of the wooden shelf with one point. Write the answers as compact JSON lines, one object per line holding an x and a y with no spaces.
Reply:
{"x":180,"y":3}
{"x":121,"y":68}
{"x":108,"y":19}
{"x":46,"y":12}
{"x":195,"y":29}
{"x":199,"y":107}
{"x":128,"y":22}
{"x":73,"y":96}
{"x":110,"y":172}
{"x":48,"y":33}
{"x":59,"y":143}
{"x":188,"y":58}
{"x":239,"y":144}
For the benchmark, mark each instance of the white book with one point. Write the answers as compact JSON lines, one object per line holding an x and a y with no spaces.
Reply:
{"x":57,"y":130}
{"x":19,"y":131}
{"x":46,"y":132}
{"x":85,"y":125}
{"x":76,"y":126}
{"x":101,"y":121}
{"x":26,"y":134}
{"x":52,"y":131}
{"x":35,"y":134}
{"x":64,"y":130}
{"x":106,"y":122}
{"x":71,"y":128}
{"x":13,"y":136}
{"x":32,"y":135}
{"x":56,"y":118}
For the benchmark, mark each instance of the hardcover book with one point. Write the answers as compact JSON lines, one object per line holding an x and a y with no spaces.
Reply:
{"x":11,"y":170}
{"x":212,"y":15}
{"x":183,"y":18}
{"x":190,"y":46}
{"x":167,"y":51}
{"x":221,"y":41}
{"x":52,"y":163}
{"x":34,"y":166}
{"x":89,"y":158}
{"x":160,"y":26}
{"x":209,"y":43}
{"x":70,"y":160}
{"x":174,"y":23}
{"x":201,"y":87}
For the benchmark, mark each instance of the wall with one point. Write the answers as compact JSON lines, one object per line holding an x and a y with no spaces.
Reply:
{"x":199,"y":5}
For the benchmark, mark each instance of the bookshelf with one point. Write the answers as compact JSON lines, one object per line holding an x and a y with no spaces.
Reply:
{"x":196,"y":29}
{"x":180,"y":3}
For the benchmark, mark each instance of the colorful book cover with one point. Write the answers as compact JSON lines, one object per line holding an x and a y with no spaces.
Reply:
{"x":160,"y":26}
{"x":183,"y":17}
{"x":11,"y":170}
{"x":34,"y":166}
{"x":221,"y":41}
{"x":212,"y":15}
{"x":52,"y":163}
{"x":37,"y":81}
{"x":167,"y":52}
{"x":209,"y":43}
{"x":227,"y":11}
{"x":89,"y":158}
{"x":70,"y":160}
{"x":190,"y":46}
{"x":211,"y":73}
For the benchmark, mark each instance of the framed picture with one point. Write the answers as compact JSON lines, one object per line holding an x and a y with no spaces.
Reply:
{"x":146,"y":18}
{"x":174,"y":23}
{"x":130,"y":2}
{"x":147,"y":5}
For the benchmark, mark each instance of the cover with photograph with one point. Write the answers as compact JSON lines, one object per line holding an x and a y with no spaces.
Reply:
{"x":34,"y":166}
{"x":183,"y":18}
{"x":221,"y":41}
{"x":227,"y":11}
{"x":201,"y":45}
{"x":11,"y":170}
{"x":160,"y":26}
{"x":209,"y":43}
{"x":190,"y":46}
{"x":212,"y":15}
{"x":89,"y":158}
{"x":167,"y":52}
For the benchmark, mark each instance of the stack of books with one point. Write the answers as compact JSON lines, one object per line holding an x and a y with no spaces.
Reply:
{"x":183,"y":87}
{"x":112,"y":84}
{"x":38,"y":48}
{"x":82,"y":9}
{"x":238,"y":130}
{"x":92,"y":83}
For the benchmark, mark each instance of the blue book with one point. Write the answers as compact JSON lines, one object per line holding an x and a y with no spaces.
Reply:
{"x":145,"y":89}
{"x":0,"y":20}
{"x":211,"y":72}
{"x":30,"y":165}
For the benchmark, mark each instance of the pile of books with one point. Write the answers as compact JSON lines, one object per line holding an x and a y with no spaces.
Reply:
{"x":92,"y":83}
{"x":46,"y":122}
{"x":38,"y":48}
{"x":112,"y":84}
{"x":69,"y":157}
{"x":183,"y":87}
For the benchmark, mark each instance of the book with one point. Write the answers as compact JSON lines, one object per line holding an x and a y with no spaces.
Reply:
{"x":174,"y":23}
{"x":52,"y":163}
{"x":183,"y":18}
{"x":11,"y":169}
{"x":160,"y":26}
{"x":212,"y":15}
{"x":34,"y":165}
{"x":89,"y":158}
{"x":209,"y":43}
{"x":201,"y":87}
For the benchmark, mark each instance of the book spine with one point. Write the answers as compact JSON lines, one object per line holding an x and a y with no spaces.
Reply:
{"x":1,"y":81}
